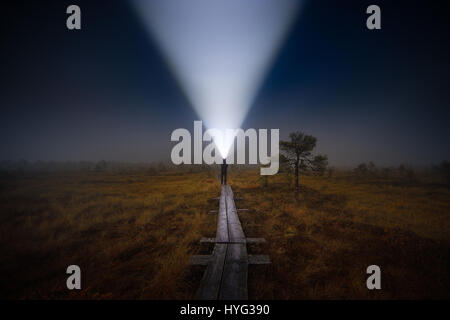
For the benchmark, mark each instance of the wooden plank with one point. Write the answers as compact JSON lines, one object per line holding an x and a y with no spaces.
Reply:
{"x":247,"y":240}
{"x":222,"y":222}
{"x":236,"y":233}
{"x":212,"y":278}
{"x":234,"y":278}
{"x":235,"y":272}
{"x":258,"y":259}
{"x":210,"y":284}
{"x":200,"y":260}
{"x":208,"y":240}
{"x":256,"y":240}
{"x":227,"y":268}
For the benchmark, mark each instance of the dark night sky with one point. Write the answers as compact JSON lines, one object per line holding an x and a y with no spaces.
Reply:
{"x":105,"y":92}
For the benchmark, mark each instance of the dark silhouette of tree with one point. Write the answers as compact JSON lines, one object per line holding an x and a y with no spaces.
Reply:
{"x":319,"y":164}
{"x":101,"y":166}
{"x":361,"y":169}
{"x":285,"y":165}
{"x":298,"y":151}
{"x":365,"y":170}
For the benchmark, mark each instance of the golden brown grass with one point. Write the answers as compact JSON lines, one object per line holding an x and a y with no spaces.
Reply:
{"x":322,"y":244}
{"x":132,"y":235}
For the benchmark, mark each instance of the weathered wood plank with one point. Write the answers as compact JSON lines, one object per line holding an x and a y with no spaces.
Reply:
{"x":256,"y":240}
{"x":227,"y":268}
{"x":200,"y":260}
{"x":211,"y":281}
{"x":235,"y":273}
{"x":222,"y":222}
{"x":247,"y":240}
{"x":208,"y":240}
{"x":236,"y":233}
{"x":258,"y":259}
{"x":234,"y":278}
{"x":210,"y":285}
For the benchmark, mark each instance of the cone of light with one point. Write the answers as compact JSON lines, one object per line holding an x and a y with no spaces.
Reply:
{"x":219,"y":51}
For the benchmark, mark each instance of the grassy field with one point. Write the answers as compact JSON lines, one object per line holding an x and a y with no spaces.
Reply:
{"x":132,"y":235}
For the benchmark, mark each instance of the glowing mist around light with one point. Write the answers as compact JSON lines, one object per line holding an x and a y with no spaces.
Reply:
{"x":219,"y":51}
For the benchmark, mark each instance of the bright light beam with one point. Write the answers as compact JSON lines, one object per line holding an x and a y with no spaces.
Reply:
{"x":219,"y":51}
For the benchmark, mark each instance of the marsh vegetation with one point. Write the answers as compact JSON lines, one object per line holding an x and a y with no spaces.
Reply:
{"x":132,"y":232}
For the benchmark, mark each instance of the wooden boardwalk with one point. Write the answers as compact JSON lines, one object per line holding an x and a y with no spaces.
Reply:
{"x":225,"y":277}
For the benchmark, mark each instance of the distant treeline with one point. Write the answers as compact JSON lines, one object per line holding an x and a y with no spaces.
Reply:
{"x":363,"y":170}
{"x":95,"y":166}
{"x":403,"y":172}
{"x":105,"y":166}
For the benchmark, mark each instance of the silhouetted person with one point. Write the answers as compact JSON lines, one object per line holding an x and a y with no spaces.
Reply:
{"x":223,"y":179}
